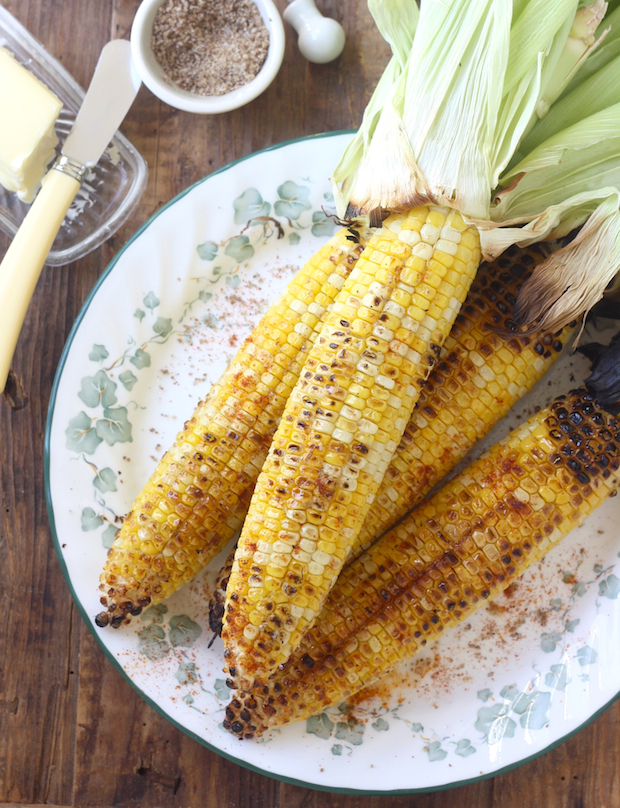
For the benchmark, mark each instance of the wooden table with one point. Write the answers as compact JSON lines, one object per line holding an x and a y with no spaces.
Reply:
{"x":72,"y":731}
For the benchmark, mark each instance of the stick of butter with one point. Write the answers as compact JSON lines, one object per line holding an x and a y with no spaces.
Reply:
{"x":28,"y":113}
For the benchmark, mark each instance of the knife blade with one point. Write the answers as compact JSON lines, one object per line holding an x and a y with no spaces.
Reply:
{"x":113,"y":88}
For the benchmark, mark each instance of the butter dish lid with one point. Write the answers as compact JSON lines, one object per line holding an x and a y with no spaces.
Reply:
{"x":111,"y":189}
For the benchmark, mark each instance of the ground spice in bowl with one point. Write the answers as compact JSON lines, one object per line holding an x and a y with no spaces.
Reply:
{"x":210,"y":47}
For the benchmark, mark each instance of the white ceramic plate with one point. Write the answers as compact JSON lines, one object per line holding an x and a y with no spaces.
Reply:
{"x":158,"y":329}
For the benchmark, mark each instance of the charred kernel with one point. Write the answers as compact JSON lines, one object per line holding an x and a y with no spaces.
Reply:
{"x":538,"y":348}
{"x":102,"y":619}
{"x":236,"y":727}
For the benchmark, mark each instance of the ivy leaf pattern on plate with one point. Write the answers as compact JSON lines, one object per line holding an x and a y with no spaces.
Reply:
{"x":98,"y":353}
{"x":250,"y":205}
{"x":98,"y":390}
{"x":293,"y":201}
{"x":114,"y":426}
{"x":207,"y":251}
{"x":90,"y":520}
{"x":105,"y":480}
{"x":240,"y":249}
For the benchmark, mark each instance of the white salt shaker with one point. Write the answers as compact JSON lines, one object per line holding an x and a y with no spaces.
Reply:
{"x":321,"y":39}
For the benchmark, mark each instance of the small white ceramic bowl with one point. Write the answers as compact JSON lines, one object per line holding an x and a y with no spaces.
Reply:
{"x":152,"y":74}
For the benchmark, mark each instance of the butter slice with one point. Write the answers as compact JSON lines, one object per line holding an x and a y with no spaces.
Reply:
{"x":28,"y":113}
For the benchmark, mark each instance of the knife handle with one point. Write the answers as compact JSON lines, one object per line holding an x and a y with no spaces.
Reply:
{"x":24,"y":260}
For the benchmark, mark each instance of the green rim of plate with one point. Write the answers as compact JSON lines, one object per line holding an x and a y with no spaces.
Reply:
{"x":87,"y":620}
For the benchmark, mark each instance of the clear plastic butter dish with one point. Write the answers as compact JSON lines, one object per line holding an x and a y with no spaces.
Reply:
{"x":112,"y":188}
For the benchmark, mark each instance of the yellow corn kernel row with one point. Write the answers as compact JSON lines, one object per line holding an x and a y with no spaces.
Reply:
{"x":482,"y":374}
{"x":484,"y":369}
{"x":340,"y":428}
{"x":457,"y":551}
{"x":198,"y":495}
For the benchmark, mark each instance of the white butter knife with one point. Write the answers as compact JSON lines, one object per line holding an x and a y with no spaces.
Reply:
{"x":112,"y":91}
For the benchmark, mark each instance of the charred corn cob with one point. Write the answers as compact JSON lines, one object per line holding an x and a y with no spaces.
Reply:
{"x":198,"y":495}
{"x":451,"y":556}
{"x":339,"y":430}
{"x":462,"y":400}
{"x":482,"y":374}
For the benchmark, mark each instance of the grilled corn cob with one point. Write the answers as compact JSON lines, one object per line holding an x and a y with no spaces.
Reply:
{"x":451,"y":556}
{"x":339,"y":430}
{"x":196,"y":499}
{"x":481,"y":374}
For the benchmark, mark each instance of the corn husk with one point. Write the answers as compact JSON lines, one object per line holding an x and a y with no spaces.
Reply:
{"x":507,"y":111}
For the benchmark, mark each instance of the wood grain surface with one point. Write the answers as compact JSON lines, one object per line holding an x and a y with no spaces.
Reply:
{"x":72,"y":731}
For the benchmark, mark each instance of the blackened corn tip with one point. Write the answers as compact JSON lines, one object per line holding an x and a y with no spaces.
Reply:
{"x":218,"y":598}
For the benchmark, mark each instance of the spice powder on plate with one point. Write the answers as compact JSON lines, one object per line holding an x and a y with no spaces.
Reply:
{"x":210,"y":47}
